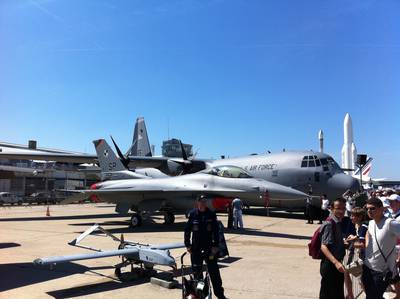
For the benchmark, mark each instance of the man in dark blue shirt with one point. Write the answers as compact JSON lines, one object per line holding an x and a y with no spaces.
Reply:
{"x":201,"y":241}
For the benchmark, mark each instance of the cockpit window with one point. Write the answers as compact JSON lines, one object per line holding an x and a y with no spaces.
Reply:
{"x":317,"y":162}
{"x":229,"y":172}
{"x":310,"y":161}
{"x":333,"y":164}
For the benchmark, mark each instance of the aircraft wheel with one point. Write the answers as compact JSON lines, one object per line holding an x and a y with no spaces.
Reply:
{"x":136,"y":220}
{"x":19,"y":202}
{"x":118,"y":273}
{"x":169,"y":218}
{"x":148,"y":266}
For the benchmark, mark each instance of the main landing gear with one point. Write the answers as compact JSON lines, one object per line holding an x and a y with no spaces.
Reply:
{"x":137,"y":269}
{"x":137,"y":219}
{"x":169,"y":218}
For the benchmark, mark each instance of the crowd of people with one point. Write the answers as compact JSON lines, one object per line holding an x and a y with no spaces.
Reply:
{"x":371,"y":236}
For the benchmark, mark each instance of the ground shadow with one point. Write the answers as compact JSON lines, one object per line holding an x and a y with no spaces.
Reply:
{"x":8,"y":245}
{"x":108,"y":206}
{"x":274,"y":212}
{"x":229,"y":260}
{"x":95,"y":288}
{"x":24,"y":274}
{"x":69,"y":217}
{"x":260,"y":233}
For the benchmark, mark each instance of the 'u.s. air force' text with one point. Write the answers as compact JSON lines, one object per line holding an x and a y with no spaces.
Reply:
{"x":260,"y":167}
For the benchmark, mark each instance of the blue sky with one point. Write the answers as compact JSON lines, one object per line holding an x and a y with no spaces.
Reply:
{"x":231,"y":77}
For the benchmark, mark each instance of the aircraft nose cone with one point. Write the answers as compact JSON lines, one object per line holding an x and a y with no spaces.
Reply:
{"x":342,"y":182}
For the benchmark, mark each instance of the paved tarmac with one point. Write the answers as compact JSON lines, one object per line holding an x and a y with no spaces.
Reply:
{"x":269,"y":259}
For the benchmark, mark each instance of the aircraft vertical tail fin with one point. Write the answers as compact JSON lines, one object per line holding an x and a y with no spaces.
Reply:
{"x":108,"y":160}
{"x":140,"y":143}
{"x":366,"y":169}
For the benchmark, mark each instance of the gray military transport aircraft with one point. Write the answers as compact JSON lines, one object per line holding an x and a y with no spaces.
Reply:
{"x":172,"y":194}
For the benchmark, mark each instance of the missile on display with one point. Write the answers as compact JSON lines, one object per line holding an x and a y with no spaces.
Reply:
{"x":349,"y":151}
{"x":321,"y":141}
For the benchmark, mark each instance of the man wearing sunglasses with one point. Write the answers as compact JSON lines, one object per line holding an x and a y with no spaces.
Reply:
{"x":380,"y":258}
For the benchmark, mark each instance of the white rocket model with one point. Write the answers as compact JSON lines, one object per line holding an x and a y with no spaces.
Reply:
{"x":349,"y":152}
{"x":321,"y":141}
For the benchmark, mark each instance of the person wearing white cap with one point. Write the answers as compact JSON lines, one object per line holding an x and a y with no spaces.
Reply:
{"x":394,"y":201}
{"x":386,"y":206}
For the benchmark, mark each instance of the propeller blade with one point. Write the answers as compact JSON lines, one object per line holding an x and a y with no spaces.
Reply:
{"x":184,"y":154}
{"x":121,"y":156}
{"x":195,"y":154}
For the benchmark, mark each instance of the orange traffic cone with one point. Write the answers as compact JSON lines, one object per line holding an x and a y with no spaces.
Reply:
{"x":48,"y":211}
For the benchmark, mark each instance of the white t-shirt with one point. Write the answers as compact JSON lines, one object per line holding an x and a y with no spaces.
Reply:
{"x":349,"y":205}
{"x":325,"y":204}
{"x":387,"y":232}
{"x":396,"y":216}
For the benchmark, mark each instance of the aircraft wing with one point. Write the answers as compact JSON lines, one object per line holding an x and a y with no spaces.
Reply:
{"x":385,"y":182}
{"x":168,"y":246}
{"x":157,"y":162}
{"x":32,"y":171}
{"x":118,"y":195}
{"x":86,"y":256}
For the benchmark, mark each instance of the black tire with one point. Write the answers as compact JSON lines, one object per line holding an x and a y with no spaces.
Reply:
{"x":118,"y":273}
{"x":19,"y":202}
{"x":1,"y":202}
{"x":148,"y":266}
{"x":169,"y":218}
{"x":135,"y":221}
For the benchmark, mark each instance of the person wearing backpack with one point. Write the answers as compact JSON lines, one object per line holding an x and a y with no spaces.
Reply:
{"x":333,"y":251}
{"x":380,"y":258}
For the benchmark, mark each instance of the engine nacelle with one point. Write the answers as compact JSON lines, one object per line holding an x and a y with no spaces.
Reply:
{"x":174,"y":168}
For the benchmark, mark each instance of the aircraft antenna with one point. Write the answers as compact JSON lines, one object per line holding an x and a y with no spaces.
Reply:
{"x":168,"y":127}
